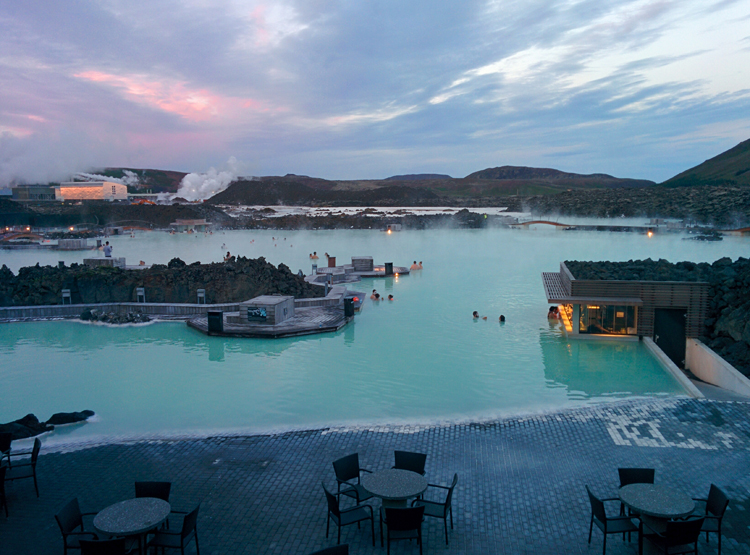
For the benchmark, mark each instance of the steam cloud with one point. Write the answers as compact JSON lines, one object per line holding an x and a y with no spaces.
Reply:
{"x":199,"y":186}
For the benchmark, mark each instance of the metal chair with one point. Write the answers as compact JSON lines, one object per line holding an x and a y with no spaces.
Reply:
{"x":608,"y":525}
{"x":440,"y":510}
{"x":26,"y":469}
{"x":635,"y":476}
{"x":159,"y":490}
{"x":716,"y":504}
{"x":679,"y":536}
{"x":403,"y":524}
{"x":348,"y":469}
{"x":178,"y":540}
{"x":345,"y":517}
{"x":70,"y":521}
{"x":407,"y":460}
{"x":3,"y":500}
{"x":6,"y":439}
{"x":104,"y":547}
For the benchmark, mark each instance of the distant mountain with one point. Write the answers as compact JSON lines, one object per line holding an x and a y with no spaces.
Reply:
{"x":417,"y":177}
{"x":549,"y":175}
{"x":730,"y":168}
{"x":285,"y":191}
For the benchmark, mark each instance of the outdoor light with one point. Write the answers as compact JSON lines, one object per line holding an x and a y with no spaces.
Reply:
{"x":650,"y":233}
{"x":389,"y":232}
{"x":71,"y":228}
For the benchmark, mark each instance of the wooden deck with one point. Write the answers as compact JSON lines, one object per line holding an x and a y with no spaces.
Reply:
{"x":306,"y":321}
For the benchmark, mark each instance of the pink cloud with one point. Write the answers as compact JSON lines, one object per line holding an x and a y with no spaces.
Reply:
{"x":176,"y":98}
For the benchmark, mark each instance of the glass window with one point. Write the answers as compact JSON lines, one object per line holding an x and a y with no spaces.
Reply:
{"x":608,"y":319}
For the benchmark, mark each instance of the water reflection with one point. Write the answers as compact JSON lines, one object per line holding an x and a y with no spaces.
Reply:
{"x":593,"y":368}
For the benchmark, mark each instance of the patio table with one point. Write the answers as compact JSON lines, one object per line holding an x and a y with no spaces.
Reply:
{"x":394,"y":486}
{"x":132,"y":517}
{"x":655,"y":504}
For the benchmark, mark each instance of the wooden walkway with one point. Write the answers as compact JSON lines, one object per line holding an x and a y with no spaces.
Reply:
{"x":306,"y":321}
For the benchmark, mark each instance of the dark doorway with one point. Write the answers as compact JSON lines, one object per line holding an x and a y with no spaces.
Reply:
{"x":669,"y":333}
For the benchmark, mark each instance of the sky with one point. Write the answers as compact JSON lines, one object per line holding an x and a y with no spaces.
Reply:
{"x":348,"y":90}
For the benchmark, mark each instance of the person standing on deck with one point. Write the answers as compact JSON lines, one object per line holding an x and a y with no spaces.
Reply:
{"x":107,"y":250}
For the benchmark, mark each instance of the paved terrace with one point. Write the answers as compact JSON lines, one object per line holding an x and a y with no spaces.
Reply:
{"x":520,"y":490}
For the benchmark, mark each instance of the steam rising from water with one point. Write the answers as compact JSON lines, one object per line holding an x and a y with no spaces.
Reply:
{"x":200,"y":186}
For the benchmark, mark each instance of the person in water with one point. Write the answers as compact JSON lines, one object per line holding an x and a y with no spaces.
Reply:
{"x":420,"y":265}
{"x":502,"y":319}
{"x":476,"y":316}
{"x":414,"y":266}
{"x":374,"y":295}
{"x":553,"y":313}
{"x":377,"y":296}
{"x":390,"y":298}
{"x":228,"y":257}
{"x":314,"y":256}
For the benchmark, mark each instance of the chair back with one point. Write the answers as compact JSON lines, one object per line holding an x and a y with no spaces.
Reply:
{"x":407,"y":460}
{"x":342,"y":549}
{"x":5,"y":440}
{"x":35,"y":451}
{"x":681,"y":532}
{"x":189,"y":522}
{"x":69,"y":517}
{"x":103,"y":547}
{"x":402,"y":520}
{"x":333,"y":504}
{"x":597,"y":507}
{"x":636,"y":476}
{"x":449,"y":497}
{"x":717,"y":501}
{"x":347,"y":468}
{"x":159,"y":490}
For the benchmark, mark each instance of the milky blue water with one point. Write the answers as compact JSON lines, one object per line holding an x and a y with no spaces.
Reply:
{"x":418,"y":359}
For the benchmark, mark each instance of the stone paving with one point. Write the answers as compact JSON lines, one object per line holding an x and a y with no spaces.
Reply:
{"x":520,"y":490}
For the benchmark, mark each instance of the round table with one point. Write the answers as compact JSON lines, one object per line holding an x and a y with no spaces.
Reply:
{"x":394,"y":486}
{"x":133,"y":517}
{"x":657,"y":501}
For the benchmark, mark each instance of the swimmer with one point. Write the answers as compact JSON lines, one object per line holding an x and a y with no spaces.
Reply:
{"x":554,"y":313}
{"x":420,"y":265}
{"x":476,"y":316}
{"x":142,"y":263}
{"x":374,"y":293}
{"x":314,"y":256}
{"x":502,"y":319}
{"x":228,"y":257}
{"x":377,"y":296}
{"x":414,"y":266}
{"x":390,"y":298}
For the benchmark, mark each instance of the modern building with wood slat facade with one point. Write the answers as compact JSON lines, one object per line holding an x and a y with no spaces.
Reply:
{"x":624,"y":307}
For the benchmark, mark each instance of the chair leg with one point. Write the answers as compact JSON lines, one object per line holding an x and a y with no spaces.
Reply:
{"x":372,"y":526}
{"x":445,"y":521}
{"x":591,"y":526}
{"x":35,"y":486}
{"x":717,"y":533}
{"x":328,"y":524}
{"x":451,"y":512}
{"x":419,"y":539}
{"x":197,"y":550}
{"x":381,"y":532}
{"x":338,"y":541}
{"x":604,"y":549}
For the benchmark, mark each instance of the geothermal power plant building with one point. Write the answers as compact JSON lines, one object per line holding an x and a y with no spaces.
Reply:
{"x":91,"y":190}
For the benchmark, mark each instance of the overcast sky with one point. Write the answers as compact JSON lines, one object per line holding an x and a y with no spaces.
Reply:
{"x":368,"y":89}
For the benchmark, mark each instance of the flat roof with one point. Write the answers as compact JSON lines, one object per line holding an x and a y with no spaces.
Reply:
{"x":557,"y":293}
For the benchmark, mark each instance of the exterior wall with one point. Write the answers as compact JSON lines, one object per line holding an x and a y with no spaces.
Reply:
{"x":692,"y":296}
{"x":96,"y":190}
{"x":713,"y":369}
{"x":33,"y":193}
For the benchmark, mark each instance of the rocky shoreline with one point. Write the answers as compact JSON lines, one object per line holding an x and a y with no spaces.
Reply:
{"x":177,"y":282}
{"x":727,"y":326}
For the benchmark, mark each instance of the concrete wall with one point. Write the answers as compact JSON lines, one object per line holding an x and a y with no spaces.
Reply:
{"x":711,"y":368}
{"x":671,"y":367}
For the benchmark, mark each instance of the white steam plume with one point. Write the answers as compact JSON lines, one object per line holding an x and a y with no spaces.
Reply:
{"x":200,"y":186}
